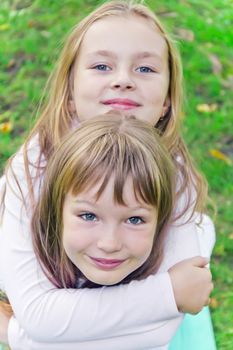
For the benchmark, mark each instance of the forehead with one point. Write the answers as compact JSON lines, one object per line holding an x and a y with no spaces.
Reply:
{"x":126,"y":34}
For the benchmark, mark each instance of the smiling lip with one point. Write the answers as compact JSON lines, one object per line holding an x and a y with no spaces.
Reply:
{"x":121,"y":103}
{"x":106,"y":264}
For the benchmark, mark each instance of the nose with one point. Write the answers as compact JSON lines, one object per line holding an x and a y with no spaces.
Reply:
{"x":123,"y":81}
{"x":109,"y":241}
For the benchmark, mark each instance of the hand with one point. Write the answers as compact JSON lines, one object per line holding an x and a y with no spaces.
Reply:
{"x":5,"y":315}
{"x":192,"y":284}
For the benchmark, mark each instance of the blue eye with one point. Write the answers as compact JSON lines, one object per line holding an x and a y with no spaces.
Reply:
{"x":135,"y":220}
{"x":88,"y":217}
{"x":144,"y":69}
{"x":102,"y":67}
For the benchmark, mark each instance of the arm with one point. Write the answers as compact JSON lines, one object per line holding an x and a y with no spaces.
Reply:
{"x":47,"y":314}
{"x":157,"y":334}
{"x":50,"y":315}
{"x":157,"y":337}
{"x":154,"y":331}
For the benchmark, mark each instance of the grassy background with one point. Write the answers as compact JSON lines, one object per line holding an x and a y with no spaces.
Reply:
{"x":31,"y":35}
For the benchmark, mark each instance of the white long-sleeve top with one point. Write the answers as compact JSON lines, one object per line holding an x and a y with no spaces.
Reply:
{"x":140,"y":315}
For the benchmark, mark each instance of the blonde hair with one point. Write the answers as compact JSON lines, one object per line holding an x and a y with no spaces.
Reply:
{"x":100,"y":148}
{"x":56,"y":119}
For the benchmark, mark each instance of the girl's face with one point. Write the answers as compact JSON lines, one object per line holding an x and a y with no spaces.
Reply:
{"x":123,"y":65}
{"x":105,"y":240}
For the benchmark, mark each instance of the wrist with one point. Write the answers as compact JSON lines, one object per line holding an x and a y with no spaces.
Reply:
{"x":176,"y":290}
{"x":4,"y":333}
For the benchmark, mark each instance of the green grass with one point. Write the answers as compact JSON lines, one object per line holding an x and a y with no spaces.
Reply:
{"x":31,"y":34}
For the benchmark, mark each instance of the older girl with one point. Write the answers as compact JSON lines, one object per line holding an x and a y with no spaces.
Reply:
{"x":120,"y":58}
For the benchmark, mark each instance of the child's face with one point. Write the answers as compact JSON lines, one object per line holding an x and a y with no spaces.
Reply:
{"x":123,"y":65}
{"x":105,"y":240}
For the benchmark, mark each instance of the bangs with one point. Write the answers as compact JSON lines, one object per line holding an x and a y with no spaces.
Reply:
{"x":119,"y":157}
{"x":114,"y":147}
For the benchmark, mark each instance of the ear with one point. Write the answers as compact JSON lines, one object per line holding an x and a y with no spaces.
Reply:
{"x":71,"y":106}
{"x":166,"y":106}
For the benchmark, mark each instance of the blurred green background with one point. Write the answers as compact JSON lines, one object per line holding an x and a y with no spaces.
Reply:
{"x":31,"y":36}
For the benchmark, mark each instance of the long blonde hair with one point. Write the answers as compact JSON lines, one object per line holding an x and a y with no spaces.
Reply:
{"x":56,"y":118}
{"x":100,"y":148}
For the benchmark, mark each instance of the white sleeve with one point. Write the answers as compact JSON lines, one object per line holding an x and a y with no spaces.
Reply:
{"x":48,"y":314}
{"x":55,"y":315}
{"x":115,"y":331}
{"x":156,"y":337}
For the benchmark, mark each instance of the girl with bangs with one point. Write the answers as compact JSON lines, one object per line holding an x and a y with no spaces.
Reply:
{"x":108,"y":192}
{"x":118,"y":58}
{"x":107,"y":195}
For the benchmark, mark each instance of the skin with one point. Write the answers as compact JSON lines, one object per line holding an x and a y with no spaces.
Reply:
{"x":199,"y":286}
{"x":122,"y":58}
{"x":119,"y":236}
{"x":118,"y":71}
{"x":4,"y":322}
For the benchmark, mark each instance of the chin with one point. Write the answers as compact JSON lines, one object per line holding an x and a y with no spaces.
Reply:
{"x":106,"y":280}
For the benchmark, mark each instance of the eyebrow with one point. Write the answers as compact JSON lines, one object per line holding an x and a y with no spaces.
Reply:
{"x":144,"y":54}
{"x":103,"y":53}
{"x":78,"y":201}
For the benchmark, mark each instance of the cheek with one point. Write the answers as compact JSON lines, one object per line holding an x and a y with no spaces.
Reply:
{"x":159,"y":89}
{"x":142,"y":243}
{"x":86,"y":101}
{"x":86,"y":84}
{"x":147,"y":247}
{"x":74,"y":239}
{"x":158,"y":98}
